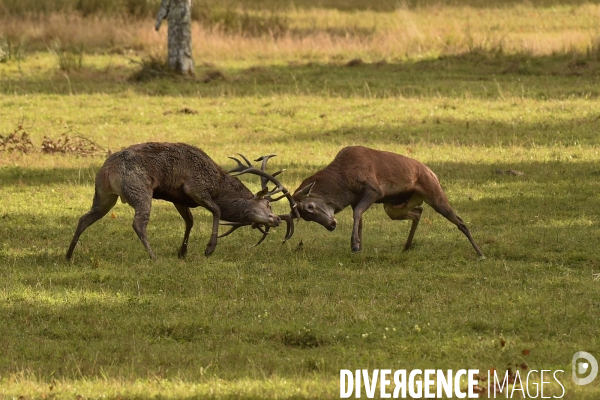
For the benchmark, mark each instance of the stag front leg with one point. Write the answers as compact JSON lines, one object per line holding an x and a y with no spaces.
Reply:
{"x":186,"y":214}
{"x":363,"y":205}
{"x":205,"y":201}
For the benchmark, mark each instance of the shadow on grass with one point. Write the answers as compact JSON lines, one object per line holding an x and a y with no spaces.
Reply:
{"x":115,"y":313}
{"x":557,"y":192}
{"x":478,"y":74}
{"x":449,"y":129}
{"x":437,"y":130}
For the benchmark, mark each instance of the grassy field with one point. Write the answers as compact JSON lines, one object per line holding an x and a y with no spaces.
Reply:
{"x":436,"y":83}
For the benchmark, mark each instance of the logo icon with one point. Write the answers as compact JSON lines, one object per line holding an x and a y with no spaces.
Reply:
{"x":582,"y":367}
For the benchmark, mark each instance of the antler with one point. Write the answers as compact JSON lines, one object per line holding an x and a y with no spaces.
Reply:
{"x":265,"y":177}
{"x":236,"y":225}
{"x":250,"y":169}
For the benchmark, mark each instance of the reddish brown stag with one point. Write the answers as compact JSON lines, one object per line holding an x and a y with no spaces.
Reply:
{"x":359,"y":177}
{"x":187,"y":177}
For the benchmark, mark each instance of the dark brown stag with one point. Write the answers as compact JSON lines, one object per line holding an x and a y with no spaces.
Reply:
{"x":359,"y":177}
{"x":187,"y":177}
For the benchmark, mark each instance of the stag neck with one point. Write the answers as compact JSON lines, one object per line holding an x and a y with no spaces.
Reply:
{"x":234,"y":209}
{"x":329,"y":185}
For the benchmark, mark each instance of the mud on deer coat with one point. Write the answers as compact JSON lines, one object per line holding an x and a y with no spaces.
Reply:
{"x":187,"y":177}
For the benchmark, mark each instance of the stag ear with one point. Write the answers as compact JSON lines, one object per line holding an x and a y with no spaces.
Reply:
{"x":262,"y":193}
{"x":305,"y":191}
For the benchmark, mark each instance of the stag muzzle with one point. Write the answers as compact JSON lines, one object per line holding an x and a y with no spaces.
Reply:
{"x":274,"y":221}
{"x":332,"y":225}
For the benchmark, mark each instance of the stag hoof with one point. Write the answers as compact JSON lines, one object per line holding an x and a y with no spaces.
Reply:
{"x":182,"y":252}
{"x":209,"y":250}
{"x":356,"y":248}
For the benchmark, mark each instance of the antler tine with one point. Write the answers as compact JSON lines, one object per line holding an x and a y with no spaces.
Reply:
{"x":265,"y":178}
{"x":233,"y":228}
{"x":264,"y":160}
{"x":272,"y":200}
{"x":227,"y":223}
{"x":269,"y":195}
{"x":280,"y":187}
{"x":259,"y":227}
{"x":289,"y":220}
{"x":240,"y":166}
{"x":245,"y":159}
{"x":263,"y":167}
{"x":264,"y":232}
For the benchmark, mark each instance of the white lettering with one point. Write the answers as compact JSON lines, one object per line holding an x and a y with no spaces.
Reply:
{"x":444,"y":383}
{"x":542,"y":380}
{"x":520,"y":387}
{"x":457,"y":391}
{"x":346,"y":374}
{"x":428,"y":383}
{"x":370,"y":386}
{"x":384,"y":382}
{"x":400,"y":384}
{"x":537,"y":386}
{"x":556,"y":379}
{"x":497,"y":383}
{"x":411,"y":384}
{"x":472,"y":383}
{"x":423,"y":383}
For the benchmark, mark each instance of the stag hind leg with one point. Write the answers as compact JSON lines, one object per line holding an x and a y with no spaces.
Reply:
{"x":101,"y":205}
{"x":186,"y":214}
{"x":142,"y":206}
{"x":408,"y":210}
{"x":415,"y":216}
{"x":444,"y":208}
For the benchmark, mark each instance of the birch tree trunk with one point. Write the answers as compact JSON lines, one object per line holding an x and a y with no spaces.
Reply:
{"x":179,"y":18}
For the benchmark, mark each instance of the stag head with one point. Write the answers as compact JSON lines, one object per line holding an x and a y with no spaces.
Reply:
{"x":313,"y":207}
{"x":264,"y":195}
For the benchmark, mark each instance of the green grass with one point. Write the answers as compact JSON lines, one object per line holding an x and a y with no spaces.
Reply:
{"x":279,"y":320}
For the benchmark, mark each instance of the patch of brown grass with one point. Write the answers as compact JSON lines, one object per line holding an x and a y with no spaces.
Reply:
{"x":93,"y":33}
{"x":320,"y":34}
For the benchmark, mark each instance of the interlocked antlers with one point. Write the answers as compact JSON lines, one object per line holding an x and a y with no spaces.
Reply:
{"x":265,"y":177}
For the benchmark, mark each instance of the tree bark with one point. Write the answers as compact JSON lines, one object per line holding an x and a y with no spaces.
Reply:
{"x":179,"y":17}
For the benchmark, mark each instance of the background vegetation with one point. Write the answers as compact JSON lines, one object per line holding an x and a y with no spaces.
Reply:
{"x":469,"y":88}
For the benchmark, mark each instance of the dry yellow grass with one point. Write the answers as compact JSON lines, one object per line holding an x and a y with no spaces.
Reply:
{"x":320,"y":34}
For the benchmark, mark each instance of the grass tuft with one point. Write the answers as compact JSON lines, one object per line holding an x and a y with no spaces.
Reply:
{"x":17,"y":141}
{"x":12,"y":49}
{"x":68,"y":58}
{"x":303,"y":339}
{"x":244,"y":23}
{"x":152,"y":67}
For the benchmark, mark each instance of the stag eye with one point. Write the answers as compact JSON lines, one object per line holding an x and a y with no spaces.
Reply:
{"x":310,"y":207}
